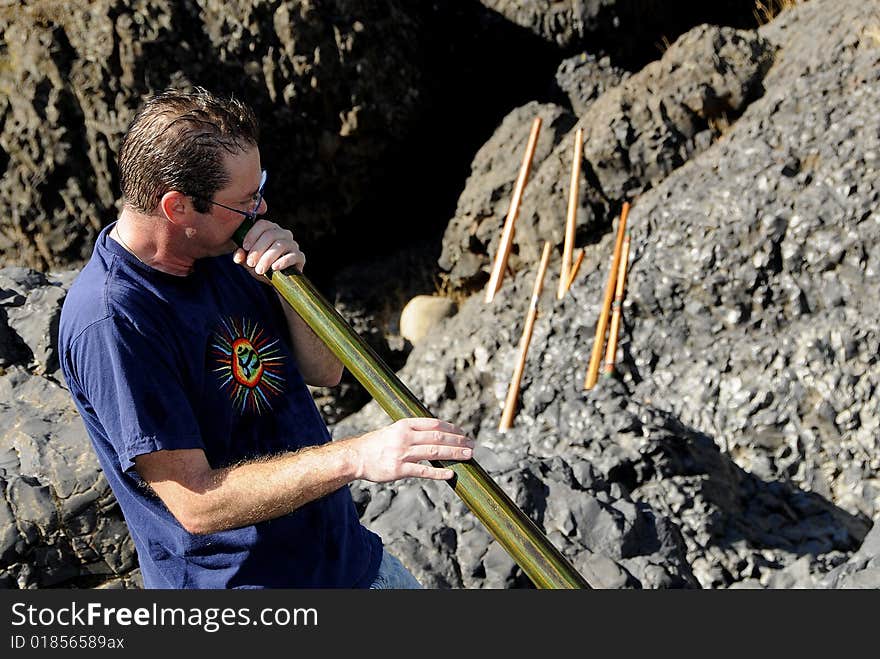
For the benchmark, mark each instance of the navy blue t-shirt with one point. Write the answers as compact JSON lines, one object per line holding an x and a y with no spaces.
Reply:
{"x":157,"y":362}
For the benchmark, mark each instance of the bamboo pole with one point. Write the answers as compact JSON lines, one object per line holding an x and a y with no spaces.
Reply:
{"x":513,"y":389}
{"x":575,"y":268}
{"x":543,"y":563}
{"x":572,"y":214}
{"x":507,"y":232}
{"x":614,"y":330}
{"x":602,"y":323}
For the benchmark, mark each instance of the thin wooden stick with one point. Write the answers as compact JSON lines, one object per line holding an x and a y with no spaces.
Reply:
{"x":507,"y":233}
{"x":572,"y":214}
{"x":614,"y":330}
{"x":575,"y":268}
{"x":513,"y":389}
{"x":602,"y":324}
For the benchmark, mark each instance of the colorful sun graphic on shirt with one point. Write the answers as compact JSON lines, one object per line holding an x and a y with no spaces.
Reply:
{"x":249,"y":364}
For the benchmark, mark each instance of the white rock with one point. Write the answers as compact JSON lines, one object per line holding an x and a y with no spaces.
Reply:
{"x":421,"y":313}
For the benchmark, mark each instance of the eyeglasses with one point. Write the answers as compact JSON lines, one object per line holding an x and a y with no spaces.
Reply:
{"x":258,"y":199}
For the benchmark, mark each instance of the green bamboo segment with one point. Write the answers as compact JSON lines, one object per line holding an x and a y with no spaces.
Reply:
{"x":520,"y":536}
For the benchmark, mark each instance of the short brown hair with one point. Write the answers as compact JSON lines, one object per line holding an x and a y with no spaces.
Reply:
{"x":177,"y":141}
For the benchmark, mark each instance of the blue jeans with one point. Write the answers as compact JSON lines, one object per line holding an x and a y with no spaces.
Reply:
{"x":393,"y":575}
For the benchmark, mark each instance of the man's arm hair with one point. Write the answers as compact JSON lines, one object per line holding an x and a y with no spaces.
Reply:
{"x":208,"y":500}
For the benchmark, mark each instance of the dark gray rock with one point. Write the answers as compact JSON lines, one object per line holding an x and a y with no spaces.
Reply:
{"x":742,"y":412}
{"x":585,"y":77}
{"x":636,"y":134}
{"x":60,"y":525}
{"x":643,"y":129}
{"x":36,"y":323}
{"x":12,"y":348}
{"x":860,"y":570}
{"x":336,"y":85}
{"x":736,"y":325}
{"x":30,"y":308}
{"x":564,"y":24}
{"x":632,"y":31}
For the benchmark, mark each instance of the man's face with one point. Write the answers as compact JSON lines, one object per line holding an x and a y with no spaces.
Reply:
{"x":218,"y":224}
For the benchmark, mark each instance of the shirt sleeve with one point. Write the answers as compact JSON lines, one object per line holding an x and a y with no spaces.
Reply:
{"x":137,"y":392}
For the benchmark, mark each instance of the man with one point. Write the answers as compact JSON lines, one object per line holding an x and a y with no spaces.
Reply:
{"x":190,"y":375}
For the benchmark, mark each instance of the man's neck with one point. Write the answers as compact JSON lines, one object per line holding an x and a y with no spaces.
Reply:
{"x":152,"y":241}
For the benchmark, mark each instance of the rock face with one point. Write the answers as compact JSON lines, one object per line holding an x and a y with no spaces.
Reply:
{"x":635,"y":29}
{"x":736,"y":444}
{"x":613,"y":542}
{"x":335,"y":84}
{"x":656,"y":120}
{"x":60,"y":525}
{"x":774,"y":238}
{"x":744,"y":405}
{"x":31,"y":306}
{"x":584,"y":78}
{"x":713,"y":523}
{"x":637,"y":132}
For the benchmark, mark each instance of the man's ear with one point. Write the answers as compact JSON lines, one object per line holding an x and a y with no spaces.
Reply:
{"x":177,"y":208}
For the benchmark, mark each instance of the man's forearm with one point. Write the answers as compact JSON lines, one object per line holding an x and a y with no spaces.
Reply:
{"x":256,"y":491}
{"x":206,"y":500}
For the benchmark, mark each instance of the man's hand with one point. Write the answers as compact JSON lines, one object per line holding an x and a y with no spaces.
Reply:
{"x":269,"y":246}
{"x":396,"y":451}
